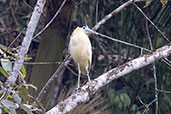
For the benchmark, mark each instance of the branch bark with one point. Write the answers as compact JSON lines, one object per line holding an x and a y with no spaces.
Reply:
{"x":83,"y":95}
{"x":26,"y":41}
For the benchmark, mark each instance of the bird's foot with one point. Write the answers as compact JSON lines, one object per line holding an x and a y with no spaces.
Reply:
{"x":78,"y":89}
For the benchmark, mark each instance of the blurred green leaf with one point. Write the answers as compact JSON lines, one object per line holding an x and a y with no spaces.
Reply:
{"x":9,"y":104}
{"x":16,"y":98}
{"x":127,"y":100}
{"x":116,"y":100}
{"x":4,"y":1}
{"x":23,"y":93}
{"x":5,"y":50}
{"x":4,"y":72}
{"x":26,"y":108}
{"x":120,"y":105}
{"x":2,"y":53}
{"x":158,"y":42}
{"x":6,"y":64}
{"x":23,"y":70}
{"x":6,"y":110}
{"x":12,"y":111}
{"x":138,"y":112}
{"x":133,"y":108}
{"x":28,"y":58}
{"x":30,"y":85}
{"x":122,"y":97}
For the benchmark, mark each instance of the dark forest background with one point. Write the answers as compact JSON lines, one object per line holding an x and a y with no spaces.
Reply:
{"x":126,"y":95}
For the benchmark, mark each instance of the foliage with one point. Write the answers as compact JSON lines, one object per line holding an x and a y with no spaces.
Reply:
{"x":20,"y":95}
{"x":123,"y":95}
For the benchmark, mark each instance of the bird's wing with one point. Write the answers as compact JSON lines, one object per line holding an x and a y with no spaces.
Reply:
{"x":89,"y":53}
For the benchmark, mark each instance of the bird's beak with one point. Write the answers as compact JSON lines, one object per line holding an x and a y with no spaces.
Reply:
{"x":89,"y":31}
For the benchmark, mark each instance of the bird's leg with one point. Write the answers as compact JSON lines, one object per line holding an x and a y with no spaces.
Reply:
{"x":88,"y":74}
{"x":88,"y":77}
{"x":79,"y":73}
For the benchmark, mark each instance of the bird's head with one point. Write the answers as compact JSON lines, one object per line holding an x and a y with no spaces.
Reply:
{"x":84,"y":29}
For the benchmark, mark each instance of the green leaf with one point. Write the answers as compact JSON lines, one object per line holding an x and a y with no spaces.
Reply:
{"x":22,"y":77}
{"x":9,"y":104}
{"x":30,"y":85}
{"x":6,"y":110}
{"x":120,"y":106}
{"x":12,"y":111}
{"x":23,"y":93}
{"x":127,"y":100}
{"x":116,"y":100}
{"x":16,"y":98}
{"x":133,"y":107}
{"x":6,"y":64}
{"x":138,"y":112}
{"x":28,"y":58}
{"x":122,"y":97}
{"x":4,"y":72}
{"x":26,"y":108}
{"x":5,"y":50}
{"x":2,"y":53}
{"x":23,"y":70}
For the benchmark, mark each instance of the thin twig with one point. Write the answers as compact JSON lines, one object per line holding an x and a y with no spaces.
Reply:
{"x":152,"y":23}
{"x":58,"y":11}
{"x":167,"y":61}
{"x":120,"y":41}
{"x":119,"y":9}
{"x":154,"y":69}
{"x":16,"y":38}
{"x":58,"y":72}
{"x":164,"y":91}
{"x":97,"y":7}
{"x":67,"y":66}
{"x":146,"y":105}
{"x":33,"y":63}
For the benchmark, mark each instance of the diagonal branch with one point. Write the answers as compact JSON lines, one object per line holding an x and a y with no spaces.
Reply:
{"x":53,"y":18}
{"x":26,"y":41}
{"x":91,"y":87}
{"x":152,"y":23}
{"x":114,"y":12}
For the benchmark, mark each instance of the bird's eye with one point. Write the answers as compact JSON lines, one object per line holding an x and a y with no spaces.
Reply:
{"x":84,"y":27}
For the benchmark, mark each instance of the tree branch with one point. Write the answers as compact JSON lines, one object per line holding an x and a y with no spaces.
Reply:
{"x":83,"y":95}
{"x":119,"y":9}
{"x":26,"y":41}
{"x":154,"y":69}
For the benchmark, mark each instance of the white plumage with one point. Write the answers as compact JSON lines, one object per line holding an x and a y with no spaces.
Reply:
{"x":81,"y":51}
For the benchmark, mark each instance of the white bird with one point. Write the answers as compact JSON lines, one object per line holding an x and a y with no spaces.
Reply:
{"x":81,"y":51}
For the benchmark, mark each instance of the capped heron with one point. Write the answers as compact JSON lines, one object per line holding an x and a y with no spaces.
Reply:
{"x":81,"y":51}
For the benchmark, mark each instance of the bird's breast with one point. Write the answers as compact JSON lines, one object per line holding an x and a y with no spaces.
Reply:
{"x":81,"y":52}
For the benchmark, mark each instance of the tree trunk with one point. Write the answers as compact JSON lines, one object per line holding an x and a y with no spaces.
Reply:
{"x":51,"y":49}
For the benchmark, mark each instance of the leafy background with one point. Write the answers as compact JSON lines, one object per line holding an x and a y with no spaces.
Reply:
{"x":122,"y":96}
